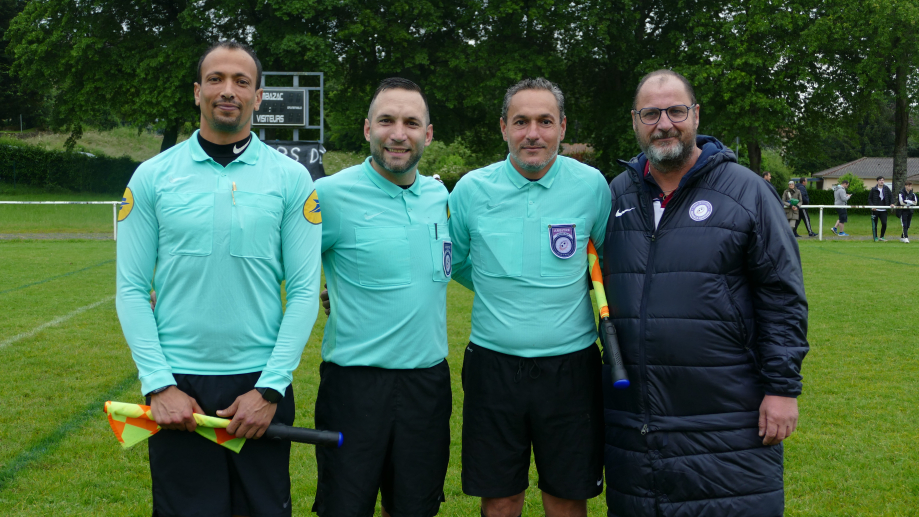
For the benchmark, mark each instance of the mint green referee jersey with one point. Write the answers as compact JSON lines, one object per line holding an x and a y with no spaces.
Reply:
{"x":386,"y":253}
{"x":221,"y":241}
{"x":521,"y":245}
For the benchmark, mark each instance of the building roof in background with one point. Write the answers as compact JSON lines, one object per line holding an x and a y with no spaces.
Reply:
{"x":870,"y":168}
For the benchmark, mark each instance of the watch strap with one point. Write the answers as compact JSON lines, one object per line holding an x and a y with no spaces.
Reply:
{"x":271,"y":395}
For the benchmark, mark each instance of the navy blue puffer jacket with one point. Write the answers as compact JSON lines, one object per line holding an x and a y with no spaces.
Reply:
{"x":711,"y":316}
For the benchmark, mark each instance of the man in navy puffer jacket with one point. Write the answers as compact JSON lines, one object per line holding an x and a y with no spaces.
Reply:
{"x":706,"y":291}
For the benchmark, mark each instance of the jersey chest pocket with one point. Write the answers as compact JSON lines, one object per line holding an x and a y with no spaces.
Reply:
{"x":551,"y":263}
{"x":441,"y":251}
{"x":186,"y":222}
{"x":497,"y":246}
{"x":384,"y":257}
{"x":255,"y":228}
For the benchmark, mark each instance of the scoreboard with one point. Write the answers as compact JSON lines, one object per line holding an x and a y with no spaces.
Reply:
{"x":282,"y":107}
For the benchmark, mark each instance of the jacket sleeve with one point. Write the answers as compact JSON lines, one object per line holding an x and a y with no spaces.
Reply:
{"x":138,"y":240}
{"x":779,"y":302}
{"x":300,"y":251}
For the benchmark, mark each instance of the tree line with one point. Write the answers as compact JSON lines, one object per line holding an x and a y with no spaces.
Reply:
{"x":801,"y":76}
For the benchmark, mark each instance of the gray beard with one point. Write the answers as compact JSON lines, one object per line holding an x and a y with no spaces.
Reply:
{"x":667,"y":160}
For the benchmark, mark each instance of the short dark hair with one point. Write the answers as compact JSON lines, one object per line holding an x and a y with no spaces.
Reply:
{"x":671,"y":73}
{"x":399,"y":83}
{"x":766,"y":172}
{"x":844,"y":182}
{"x":540,"y":83}
{"x":879,"y":178}
{"x":233,"y":45}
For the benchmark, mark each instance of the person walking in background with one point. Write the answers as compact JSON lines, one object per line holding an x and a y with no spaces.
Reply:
{"x":906,"y":198}
{"x":791,"y":198}
{"x":879,"y":195}
{"x":768,"y":177}
{"x":802,"y":212}
{"x":840,"y":198}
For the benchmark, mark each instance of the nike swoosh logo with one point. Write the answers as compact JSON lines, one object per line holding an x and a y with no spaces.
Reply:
{"x":599,"y":481}
{"x":368,"y":217}
{"x":241,"y":149}
{"x":173,"y":180}
{"x":489,"y":206}
{"x":620,"y":212}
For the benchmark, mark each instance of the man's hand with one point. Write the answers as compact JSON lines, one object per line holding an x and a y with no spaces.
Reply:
{"x":251,"y":415}
{"x":173,"y":408}
{"x":795,"y":208}
{"x":778,"y":418}
{"x":152,"y":300}
{"x":324,"y":298}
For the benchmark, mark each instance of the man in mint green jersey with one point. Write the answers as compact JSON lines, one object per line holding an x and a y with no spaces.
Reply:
{"x":385,"y":383}
{"x":531,"y":372}
{"x":223,"y":220}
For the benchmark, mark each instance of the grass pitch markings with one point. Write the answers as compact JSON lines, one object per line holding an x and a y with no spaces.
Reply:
{"x":50,"y":442}
{"x":104,"y":262}
{"x":54,"y":322}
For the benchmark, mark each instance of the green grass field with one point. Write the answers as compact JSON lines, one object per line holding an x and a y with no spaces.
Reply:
{"x":62,"y":355}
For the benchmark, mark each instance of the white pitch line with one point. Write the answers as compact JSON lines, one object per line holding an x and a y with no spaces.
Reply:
{"x":55,"y":321}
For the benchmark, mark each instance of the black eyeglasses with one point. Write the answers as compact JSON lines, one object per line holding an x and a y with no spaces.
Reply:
{"x":676,"y":113}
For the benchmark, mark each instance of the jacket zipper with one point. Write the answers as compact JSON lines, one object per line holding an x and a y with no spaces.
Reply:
{"x":643,"y":311}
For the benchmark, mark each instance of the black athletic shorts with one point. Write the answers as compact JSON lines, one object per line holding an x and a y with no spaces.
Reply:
{"x":554,"y":403}
{"x":396,"y":426}
{"x":193,"y":476}
{"x":843,"y":215}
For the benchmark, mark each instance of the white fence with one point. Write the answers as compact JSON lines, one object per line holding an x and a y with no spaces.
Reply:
{"x":821,"y":207}
{"x":115,"y":205}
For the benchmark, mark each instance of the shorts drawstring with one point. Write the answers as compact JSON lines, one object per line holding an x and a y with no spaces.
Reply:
{"x":534,"y":373}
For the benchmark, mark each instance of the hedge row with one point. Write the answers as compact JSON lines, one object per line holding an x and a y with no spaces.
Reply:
{"x":67,"y":171}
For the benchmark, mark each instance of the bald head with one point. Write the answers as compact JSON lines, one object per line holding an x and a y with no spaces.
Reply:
{"x":659,"y":77}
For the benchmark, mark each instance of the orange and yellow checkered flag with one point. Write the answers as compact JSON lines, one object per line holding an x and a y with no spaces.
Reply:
{"x":133,"y":423}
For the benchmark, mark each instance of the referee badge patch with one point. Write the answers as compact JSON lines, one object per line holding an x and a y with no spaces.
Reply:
{"x":311,"y":210}
{"x":562,"y":240}
{"x":448,"y":258}
{"x":127,"y":204}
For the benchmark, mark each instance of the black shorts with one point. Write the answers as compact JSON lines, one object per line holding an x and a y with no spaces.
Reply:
{"x":843,"y":215}
{"x":554,"y":403}
{"x":194,"y":476}
{"x":396,"y":427}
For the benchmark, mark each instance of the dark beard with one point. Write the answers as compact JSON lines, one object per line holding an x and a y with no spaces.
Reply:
{"x":376,"y":153}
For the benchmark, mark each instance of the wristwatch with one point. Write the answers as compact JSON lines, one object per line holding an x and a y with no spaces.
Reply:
{"x":271,"y":395}
{"x":160,"y":390}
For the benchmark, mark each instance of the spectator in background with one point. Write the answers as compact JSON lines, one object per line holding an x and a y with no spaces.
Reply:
{"x":791,"y":198}
{"x":802,"y":212}
{"x":879,"y":195}
{"x":768,"y":177}
{"x":840,"y":198}
{"x":906,"y":198}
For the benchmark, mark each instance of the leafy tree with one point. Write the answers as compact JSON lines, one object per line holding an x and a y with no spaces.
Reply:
{"x":747,"y":65}
{"x":16,"y":99}
{"x":133,"y":60}
{"x":868,"y":51}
